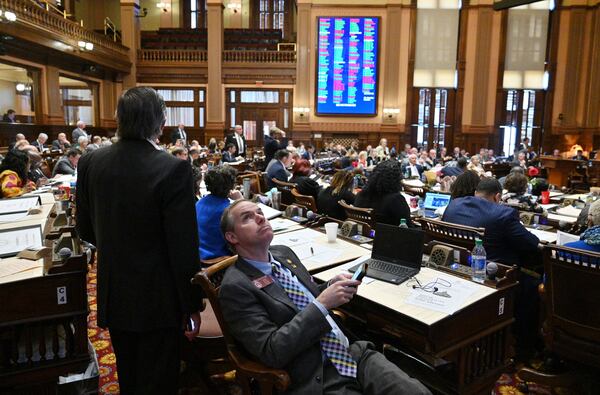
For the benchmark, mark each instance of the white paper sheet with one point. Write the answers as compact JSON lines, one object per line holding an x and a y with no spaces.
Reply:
{"x":15,"y":240}
{"x":565,"y":218}
{"x":281,"y":224}
{"x":13,"y":217}
{"x":269,"y":212}
{"x":569,"y":211}
{"x":544,"y":235}
{"x":456,"y":293}
{"x":16,"y":205}
{"x":563,"y":238}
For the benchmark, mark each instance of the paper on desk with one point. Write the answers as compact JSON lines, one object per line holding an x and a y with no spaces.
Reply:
{"x":317,"y":253}
{"x":565,"y":218}
{"x":9,"y":206}
{"x":269,"y":212}
{"x":279,"y":224}
{"x":544,"y":235}
{"x":12,"y":267}
{"x":13,"y":217}
{"x":563,"y":238}
{"x":296,"y":238}
{"x":568,"y":211}
{"x":15,"y":240}
{"x":459,"y":290}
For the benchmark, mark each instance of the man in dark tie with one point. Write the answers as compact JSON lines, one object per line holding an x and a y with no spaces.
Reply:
{"x":282,"y":317}
{"x":237,"y":138}
{"x":40,"y":142}
{"x":179,"y":134}
{"x":79,"y":132}
{"x":229,"y":153}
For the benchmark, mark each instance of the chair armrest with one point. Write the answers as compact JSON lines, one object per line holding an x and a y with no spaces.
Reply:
{"x":277,"y":377}
{"x":210,"y":262}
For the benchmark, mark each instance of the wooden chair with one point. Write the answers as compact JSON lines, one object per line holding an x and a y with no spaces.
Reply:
{"x":572,"y":324}
{"x":256,"y":186}
{"x":247,"y":370}
{"x":361,"y":215}
{"x":304,"y":200}
{"x":460,"y":235}
{"x":286,"y":191}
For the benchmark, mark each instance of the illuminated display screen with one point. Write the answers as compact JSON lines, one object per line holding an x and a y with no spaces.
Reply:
{"x":347,"y":64}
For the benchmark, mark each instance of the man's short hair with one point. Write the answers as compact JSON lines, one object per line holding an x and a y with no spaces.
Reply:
{"x":461,"y":162}
{"x":227,"y":222}
{"x":178,"y":151}
{"x":72,"y":152}
{"x":282,"y":153}
{"x":140,"y":114}
{"x":489,"y":186}
{"x":81,"y":139}
{"x":43,"y":135}
{"x":229,"y":146}
{"x":517,"y":169}
{"x":11,"y":112}
{"x":80,"y":123}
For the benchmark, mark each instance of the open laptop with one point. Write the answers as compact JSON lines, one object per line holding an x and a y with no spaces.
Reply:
{"x":397,"y":254}
{"x":433,"y":201}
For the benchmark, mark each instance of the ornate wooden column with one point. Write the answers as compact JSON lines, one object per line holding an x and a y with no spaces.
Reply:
{"x":52,"y":109}
{"x":302,"y":91}
{"x":215,"y":104}
{"x":130,"y":37}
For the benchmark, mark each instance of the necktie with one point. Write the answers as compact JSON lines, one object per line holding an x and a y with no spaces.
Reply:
{"x":240,"y":143}
{"x":335,"y":350}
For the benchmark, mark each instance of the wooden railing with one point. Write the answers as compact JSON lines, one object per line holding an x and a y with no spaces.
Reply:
{"x":172,"y":55}
{"x":260,"y":56}
{"x":39,"y":18}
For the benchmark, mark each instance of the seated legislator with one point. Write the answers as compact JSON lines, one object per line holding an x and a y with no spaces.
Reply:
{"x":516,"y":186}
{"x":382,"y":194}
{"x":219,"y":182}
{"x":61,"y":143}
{"x":277,"y":167}
{"x":304,"y":184}
{"x":339,"y":189}
{"x":13,"y":174}
{"x":40,"y":142}
{"x":476,"y":165}
{"x":506,"y":240}
{"x":281,"y":317}
{"x":590,"y":239}
{"x":412,"y":169}
{"x":229,"y":153}
{"x":68,"y":163}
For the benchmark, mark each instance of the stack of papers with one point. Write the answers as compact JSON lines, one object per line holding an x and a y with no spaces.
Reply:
{"x":569,"y":211}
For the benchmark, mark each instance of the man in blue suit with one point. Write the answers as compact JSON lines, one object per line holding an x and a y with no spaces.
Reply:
{"x":506,"y":240}
{"x":277,"y":167}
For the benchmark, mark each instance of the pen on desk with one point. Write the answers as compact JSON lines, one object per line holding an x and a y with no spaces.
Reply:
{"x":312,"y":252}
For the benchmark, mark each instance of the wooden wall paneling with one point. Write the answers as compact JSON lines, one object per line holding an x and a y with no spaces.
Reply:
{"x":409,"y":137}
{"x":457,"y":139}
{"x":548,"y":138}
{"x":500,"y":111}
{"x":592,"y":96}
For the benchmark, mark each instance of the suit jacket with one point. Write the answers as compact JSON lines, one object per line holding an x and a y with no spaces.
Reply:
{"x":177,"y":135}
{"x":308,"y":156}
{"x":40,"y":147}
{"x":276,"y":170}
{"x":57,"y":146}
{"x":506,"y":240}
{"x":63,"y":166}
{"x":77,"y":133}
{"x":272,"y":146}
{"x":227,"y":157}
{"x":143,"y":222}
{"x":406,"y":170}
{"x":231,"y":139}
{"x":270,"y":326}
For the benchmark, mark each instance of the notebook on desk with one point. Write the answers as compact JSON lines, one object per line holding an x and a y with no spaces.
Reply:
{"x":396,"y":255}
{"x":433,"y":201}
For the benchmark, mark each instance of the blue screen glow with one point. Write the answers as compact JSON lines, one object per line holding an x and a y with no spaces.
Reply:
{"x":347,"y":66}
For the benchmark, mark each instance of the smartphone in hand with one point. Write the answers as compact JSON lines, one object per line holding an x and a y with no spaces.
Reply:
{"x":361,"y":272}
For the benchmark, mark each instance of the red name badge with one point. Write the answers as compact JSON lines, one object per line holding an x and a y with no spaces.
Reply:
{"x":263,"y":281}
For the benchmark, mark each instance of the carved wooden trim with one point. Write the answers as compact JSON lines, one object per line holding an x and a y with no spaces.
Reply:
{"x":260,"y":56}
{"x":172,"y":55}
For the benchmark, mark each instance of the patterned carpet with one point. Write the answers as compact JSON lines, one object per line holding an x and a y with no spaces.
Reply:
{"x":108,"y":384}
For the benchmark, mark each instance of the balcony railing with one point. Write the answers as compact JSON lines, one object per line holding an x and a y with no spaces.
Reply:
{"x":39,"y":18}
{"x":260,"y":56}
{"x":172,"y":55}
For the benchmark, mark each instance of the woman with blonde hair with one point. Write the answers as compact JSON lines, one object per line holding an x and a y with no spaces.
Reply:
{"x":340,"y":189}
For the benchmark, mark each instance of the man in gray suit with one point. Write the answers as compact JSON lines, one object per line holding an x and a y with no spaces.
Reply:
{"x":79,"y":131}
{"x":281,"y":317}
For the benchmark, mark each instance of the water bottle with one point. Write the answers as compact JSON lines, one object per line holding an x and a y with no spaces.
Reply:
{"x":478,"y":261}
{"x":355,"y":183}
{"x":403,"y":223}
{"x":421,"y":204}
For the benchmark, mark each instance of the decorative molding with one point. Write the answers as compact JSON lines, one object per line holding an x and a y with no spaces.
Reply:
{"x":171,"y":56}
{"x":478,"y":129}
{"x":345,"y":127}
{"x":259,"y":57}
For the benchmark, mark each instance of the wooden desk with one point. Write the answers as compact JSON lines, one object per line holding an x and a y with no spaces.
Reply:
{"x":323,"y":254}
{"x":559,"y":169}
{"x":460,"y":353}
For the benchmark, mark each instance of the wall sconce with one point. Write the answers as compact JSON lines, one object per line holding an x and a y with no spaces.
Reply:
{"x":85,"y":46}
{"x":235,"y":7}
{"x":21,"y":87}
{"x":164,"y":5}
{"x":7,"y":16}
{"x":302,"y":112}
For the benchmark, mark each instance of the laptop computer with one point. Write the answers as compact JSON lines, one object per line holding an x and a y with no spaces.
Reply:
{"x":433,"y":201}
{"x":396,"y":255}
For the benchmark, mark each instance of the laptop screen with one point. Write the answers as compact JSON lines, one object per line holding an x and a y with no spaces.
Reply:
{"x":433,"y":201}
{"x":398,"y":245}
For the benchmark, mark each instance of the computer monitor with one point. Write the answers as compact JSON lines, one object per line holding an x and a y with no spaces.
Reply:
{"x":433,"y":201}
{"x":398,"y":245}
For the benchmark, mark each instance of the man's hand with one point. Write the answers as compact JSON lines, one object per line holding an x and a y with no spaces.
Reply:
{"x":196,"y":321}
{"x":235,"y":195}
{"x":340,"y":277}
{"x":338,"y":294}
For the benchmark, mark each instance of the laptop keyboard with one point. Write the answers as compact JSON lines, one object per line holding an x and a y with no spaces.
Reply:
{"x":390,"y":268}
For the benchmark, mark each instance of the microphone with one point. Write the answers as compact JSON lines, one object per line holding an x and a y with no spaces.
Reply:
{"x":65,"y":253}
{"x":310,"y":214}
{"x":491,"y":269}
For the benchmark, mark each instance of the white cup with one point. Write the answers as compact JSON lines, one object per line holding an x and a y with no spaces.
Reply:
{"x":331,"y":230}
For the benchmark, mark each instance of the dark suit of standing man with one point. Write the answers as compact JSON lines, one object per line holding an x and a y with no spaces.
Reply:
{"x":274,"y":142}
{"x":135,"y":204}
{"x":237,"y":138}
{"x":284,"y":332}
{"x":179,"y":134}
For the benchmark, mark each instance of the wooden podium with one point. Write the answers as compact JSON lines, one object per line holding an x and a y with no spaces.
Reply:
{"x":559,"y":169}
